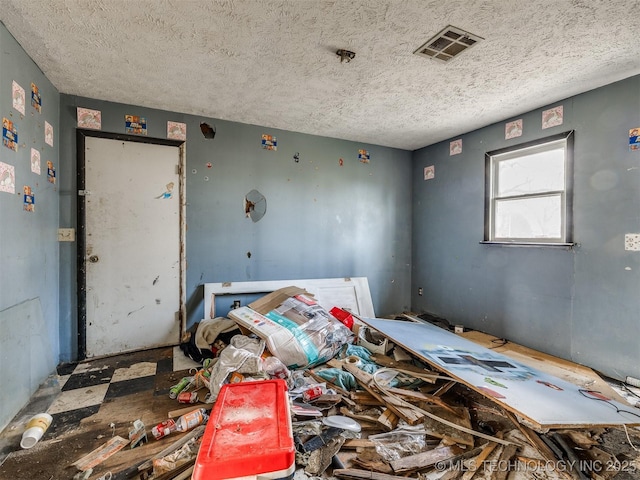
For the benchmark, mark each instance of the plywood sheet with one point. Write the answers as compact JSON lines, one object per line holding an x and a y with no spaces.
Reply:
{"x":544,"y":400}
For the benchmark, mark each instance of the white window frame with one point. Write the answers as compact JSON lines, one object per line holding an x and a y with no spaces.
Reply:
{"x":492,"y":163}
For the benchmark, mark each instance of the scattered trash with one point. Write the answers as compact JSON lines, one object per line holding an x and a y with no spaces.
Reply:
{"x":35,"y":429}
{"x":138,"y":434}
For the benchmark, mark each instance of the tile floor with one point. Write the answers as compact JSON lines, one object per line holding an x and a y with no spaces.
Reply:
{"x":90,"y":402}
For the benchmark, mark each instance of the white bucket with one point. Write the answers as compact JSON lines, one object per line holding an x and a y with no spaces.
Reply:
{"x":35,"y":429}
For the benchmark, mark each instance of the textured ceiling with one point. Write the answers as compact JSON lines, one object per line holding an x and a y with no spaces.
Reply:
{"x":273,"y":62}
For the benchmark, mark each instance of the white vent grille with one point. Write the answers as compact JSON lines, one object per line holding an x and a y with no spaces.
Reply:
{"x":447,"y":44}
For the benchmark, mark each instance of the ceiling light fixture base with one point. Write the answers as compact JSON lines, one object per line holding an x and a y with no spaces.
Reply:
{"x":345,"y":55}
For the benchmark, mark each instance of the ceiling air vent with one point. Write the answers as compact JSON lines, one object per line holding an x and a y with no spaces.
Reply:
{"x":447,"y":44}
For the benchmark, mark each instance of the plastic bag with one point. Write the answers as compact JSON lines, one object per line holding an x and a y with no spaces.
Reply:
{"x":400,"y":442}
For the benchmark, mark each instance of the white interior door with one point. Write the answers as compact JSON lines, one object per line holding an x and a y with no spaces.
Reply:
{"x":132,"y":242}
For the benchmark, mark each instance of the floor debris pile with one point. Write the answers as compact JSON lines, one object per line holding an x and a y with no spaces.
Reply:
{"x":358,"y":404}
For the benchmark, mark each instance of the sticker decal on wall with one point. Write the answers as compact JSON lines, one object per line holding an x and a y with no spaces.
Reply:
{"x":552,"y":117}
{"x":9,"y":134}
{"x":269,"y":142}
{"x":35,"y":161}
{"x":429,"y":172}
{"x":634,"y":141}
{"x":7,"y":178}
{"x":36,"y":101}
{"x":363,"y":156}
{"x":168,"y":192}
{"x":455,"y":147}
{"x":91,"y":119}
{"x":513,"y":129}
{"x":48,"y":133}
{"x":29,"y":199}
{"x":133,"y":124}
{"x":51,"y":172}
{"x":176,"y":131}
{"x":18,"y":96}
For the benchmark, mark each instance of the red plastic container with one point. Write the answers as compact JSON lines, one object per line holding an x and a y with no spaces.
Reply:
{"x":248,"y":434}
{"x":342,"y":315}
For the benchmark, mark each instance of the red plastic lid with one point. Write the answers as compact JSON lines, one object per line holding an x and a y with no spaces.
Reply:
{"x":248,"y":433}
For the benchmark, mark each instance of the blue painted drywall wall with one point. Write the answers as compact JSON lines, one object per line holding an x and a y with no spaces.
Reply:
{"x":28,"y":240}
{"x":322,"y":220}
{"x":581,"y":304}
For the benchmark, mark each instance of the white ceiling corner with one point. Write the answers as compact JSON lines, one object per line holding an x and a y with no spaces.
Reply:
{"x":273,"y":62}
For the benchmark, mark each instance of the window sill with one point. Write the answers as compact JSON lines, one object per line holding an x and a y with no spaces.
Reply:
{"x":566,"y":246}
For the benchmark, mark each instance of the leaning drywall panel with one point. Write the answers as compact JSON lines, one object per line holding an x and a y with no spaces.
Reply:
{"x":543,"y":400}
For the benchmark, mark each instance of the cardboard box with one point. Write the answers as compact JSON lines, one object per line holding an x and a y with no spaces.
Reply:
{"x":248,"y":435}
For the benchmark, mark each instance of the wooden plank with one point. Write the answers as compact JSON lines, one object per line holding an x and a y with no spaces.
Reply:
{"x":353,"y":443}
{"x":505,"y":459}
{"x":388,"y":419}
{"x":365,"y":398}
{"x":543,"y":400}
{"x":425,"y":459}
{"x":415,"y":395}
{"x":364,"y":380}
{"x":389,"y":362}
{"x":460,"y":417}
{"x":364,"y":474}
{"x":479,"y":461}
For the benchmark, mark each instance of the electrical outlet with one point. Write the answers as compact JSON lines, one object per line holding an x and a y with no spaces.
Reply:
{"x":632,"y":242}
{"x":66,"y":235}
{"x":420,"y":291}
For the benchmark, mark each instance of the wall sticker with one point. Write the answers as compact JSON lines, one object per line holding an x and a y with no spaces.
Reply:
{"x":363,"y":156}
{"x":455,"y":147}
{"x":513,"y":129}
{"x":18,"y":97}
{"x":35,"y":161}
{"x":634,"y":142}
{"x":429,"y":172}
{"x":552,"y":117}
{"x":9,"y":134}
{"x":135,"y":125}
{"x":48,"y":133}
{"x":29,"y":199}
{"x":269,"y":142}
{"x":176,"y":131}
{"x":91,"y":119}
{"x":36,"y":101}
{"x":51,"y":172}
{"x":7,"y":178}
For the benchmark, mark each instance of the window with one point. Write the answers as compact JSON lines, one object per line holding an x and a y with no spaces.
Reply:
{"x":528,"y":192}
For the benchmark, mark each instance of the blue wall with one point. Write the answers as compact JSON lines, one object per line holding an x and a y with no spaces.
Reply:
{"x":28,"y":240}
{"x":323,"y":219}
{"x":581,"y":304}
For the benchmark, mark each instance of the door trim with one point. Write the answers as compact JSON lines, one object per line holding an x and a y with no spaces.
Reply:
{"x":81,"y":275}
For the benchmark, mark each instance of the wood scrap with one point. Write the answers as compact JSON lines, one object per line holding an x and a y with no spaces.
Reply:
{"x":364,"y":474}
{"x":504,"y":459}
{"x":388,"y":419}
{"x":444,"y":388}
{"x":424,"y":460}
{"x":354,"y":443}
{"x":365,"y":398}
{"x":416,"y":395}
{"x":440,"y":430}
{"x":479,"y":461}
{"x":365,"y":381}
{"x":363,"y":418}
{"x":195,"y":433}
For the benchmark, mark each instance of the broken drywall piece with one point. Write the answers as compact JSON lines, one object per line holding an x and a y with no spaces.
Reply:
{"x":207,"y":130}
{"x":255,"y":205}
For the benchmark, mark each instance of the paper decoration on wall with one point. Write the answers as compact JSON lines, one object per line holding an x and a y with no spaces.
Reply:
{"x":269,"y":142}
{"x":513,"y":129}
{"x":35,"y":161}
{"x":91,"y":119}
{"x":552,"y":117}
{"x":176,"y":131}
{"x":455,"y":147}
{"x":36,"y":101}
{"x":135,"y":125}
{"x":7,"y":178}
{"x":429,"y":172}
{"x":634,"y":141}
{"x":9,"y":134}
{"x":48,"y":133}
{"x":168,"y":193}
{"x":18,"y":97}
{"x":51,"y":172}
{"x":29,"y":199}
{"x":363,"y":156}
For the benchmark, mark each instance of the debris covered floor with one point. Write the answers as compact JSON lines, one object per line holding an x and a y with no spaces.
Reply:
{"x":93,"y":401}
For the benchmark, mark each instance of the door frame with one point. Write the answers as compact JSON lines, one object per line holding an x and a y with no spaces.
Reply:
{"x":81,"y":276}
